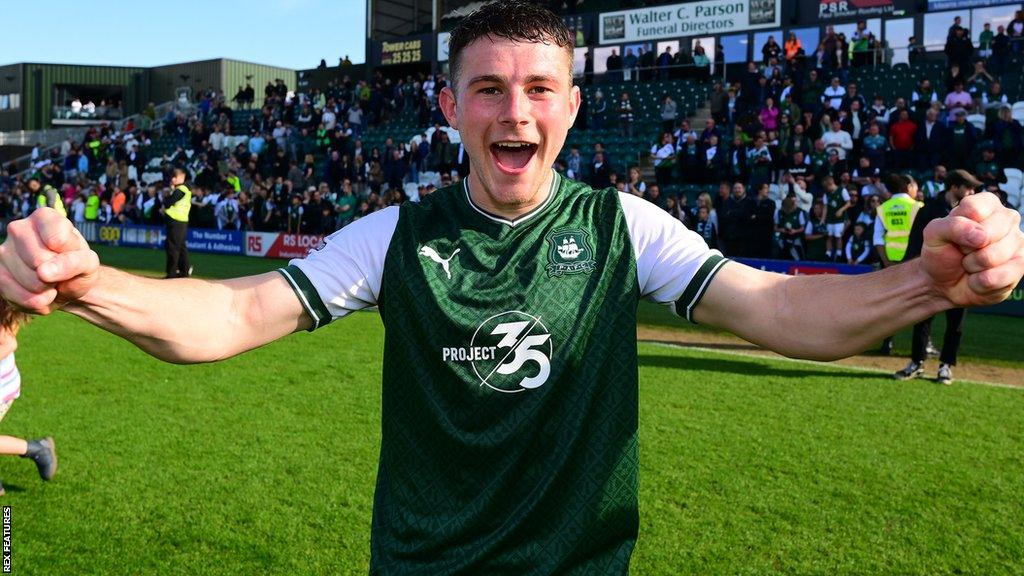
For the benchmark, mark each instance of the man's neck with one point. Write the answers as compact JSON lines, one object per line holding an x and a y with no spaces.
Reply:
{"x":486,"y":201}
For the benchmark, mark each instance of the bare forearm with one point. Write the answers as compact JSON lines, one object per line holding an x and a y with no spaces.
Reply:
{"x":823,"y":317}
{"x":180,"y":320}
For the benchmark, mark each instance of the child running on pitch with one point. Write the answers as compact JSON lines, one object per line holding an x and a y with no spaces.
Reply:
{"x":39,"y":451}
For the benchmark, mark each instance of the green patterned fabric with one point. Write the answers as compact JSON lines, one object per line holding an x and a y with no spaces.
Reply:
{"x":479,"y":475}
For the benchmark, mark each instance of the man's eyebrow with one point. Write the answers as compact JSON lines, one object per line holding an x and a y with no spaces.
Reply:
{"x":487,"y":78}
{"x":498,"y":79}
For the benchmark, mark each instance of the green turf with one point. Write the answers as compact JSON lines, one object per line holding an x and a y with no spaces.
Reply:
{"x":265,"y":464}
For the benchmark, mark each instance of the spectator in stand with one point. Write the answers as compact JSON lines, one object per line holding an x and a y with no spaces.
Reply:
{"x":833,"y":95}
{"x":771,"y":51}
{"x":719,"y":104}
{"x":858,"y":246}
{"x":574,"y":164}
{"x":985,"y":40}
{"x":668,"y":113}
{"x":793,"y":49}
{"x":790,"y":223}
{"x":962,"y":139}
{"x":958,"y":100}
{"x":1007,"y":136}
{"x":629,"y":63}
{"x":734,"y":218}
{"x":1016,"y":32}
{"x":902,"y":134}
{"x":1001,"y":49}
{"x":759,"y":161}
{"x":625,"y":116}
{"x":664,"y":63}
{"x":959,"y":49}
{"x":614,"y":66}
{"x":874,"y":146}
{"x":837,"y":202}
{"x":635,"y":185}
{"x":598,"y":111}
{"x":691,"y":160}
{"x":600,"y":174}
{"x":816,"y":233}
{"x":663,"y":157}
{"x":701,"y":63}
{"x":769,"y":115}
{"x":760,"y":239}
{"x":838,"y":141}
{"x":705,"y":226}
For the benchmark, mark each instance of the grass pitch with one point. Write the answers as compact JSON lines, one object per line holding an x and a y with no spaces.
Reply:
{"x":265,"y":464}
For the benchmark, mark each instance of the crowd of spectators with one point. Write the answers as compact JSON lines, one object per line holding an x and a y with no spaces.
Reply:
{"x":297,"y":165}
{"x":795,"y":154}
{"x":799,"y":157}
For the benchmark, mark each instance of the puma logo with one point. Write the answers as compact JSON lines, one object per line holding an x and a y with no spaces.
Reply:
{"x":433,"y":255}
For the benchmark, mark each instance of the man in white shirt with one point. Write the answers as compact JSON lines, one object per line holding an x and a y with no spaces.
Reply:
{"x":329,"y":119}
{"x":227,"y":212}
{"x":834,"y":93}
{"x":837,"y":141}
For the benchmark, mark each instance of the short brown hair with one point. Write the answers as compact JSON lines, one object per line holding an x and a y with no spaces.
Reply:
{"x":515,"y":20}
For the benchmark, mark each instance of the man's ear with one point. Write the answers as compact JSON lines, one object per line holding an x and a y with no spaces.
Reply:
{"x":574,"y":103}
{"x":446,"y":100}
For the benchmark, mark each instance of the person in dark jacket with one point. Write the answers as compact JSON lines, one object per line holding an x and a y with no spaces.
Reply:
{"x":931,"y":141}
{"x":959,"y":184}
{"x":762,"y":225}
{"x":959,"y":49}
{"x":734,"y":220}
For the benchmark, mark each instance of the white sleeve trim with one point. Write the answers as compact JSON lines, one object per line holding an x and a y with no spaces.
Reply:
{"x":669,"y":257}
{"x":346,"y":271}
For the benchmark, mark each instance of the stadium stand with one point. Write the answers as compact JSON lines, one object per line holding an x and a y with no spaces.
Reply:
{"x":777,"y":128}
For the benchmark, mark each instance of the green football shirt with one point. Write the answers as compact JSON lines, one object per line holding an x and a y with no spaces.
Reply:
{"x":509,"y":401}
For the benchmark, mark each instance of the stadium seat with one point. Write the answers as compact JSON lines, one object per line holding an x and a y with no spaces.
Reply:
{"x":978,"y":120}
{"x":1018,"y":111}
{"x":1014,"y":186}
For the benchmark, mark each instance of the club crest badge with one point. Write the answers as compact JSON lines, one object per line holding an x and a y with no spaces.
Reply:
{"x":569,"y":252}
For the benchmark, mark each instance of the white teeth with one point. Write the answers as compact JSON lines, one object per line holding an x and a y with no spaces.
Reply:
{"x":513,"y":144}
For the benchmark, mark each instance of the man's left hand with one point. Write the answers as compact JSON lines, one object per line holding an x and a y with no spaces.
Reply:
{"x":974,"y":256}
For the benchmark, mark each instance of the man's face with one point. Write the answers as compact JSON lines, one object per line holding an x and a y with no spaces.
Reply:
{"x":513,"y":106}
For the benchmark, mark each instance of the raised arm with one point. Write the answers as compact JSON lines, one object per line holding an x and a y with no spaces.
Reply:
{"x":797,"y":315}
{"x":187,"y":320}
{"x":45,"y":265}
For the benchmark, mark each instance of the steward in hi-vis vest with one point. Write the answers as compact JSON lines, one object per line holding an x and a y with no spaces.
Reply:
{"x":47,"y":196}
{"x":176,"y":208}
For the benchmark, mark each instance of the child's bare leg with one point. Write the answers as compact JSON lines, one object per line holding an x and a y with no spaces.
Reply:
{"x":9,"y":445}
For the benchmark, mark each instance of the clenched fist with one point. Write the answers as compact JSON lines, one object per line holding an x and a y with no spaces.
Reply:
{"x":45,"y":263}
{"x":975,"y":256}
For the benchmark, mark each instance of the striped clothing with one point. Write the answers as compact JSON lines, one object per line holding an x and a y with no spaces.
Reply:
{"x":10,"y":379}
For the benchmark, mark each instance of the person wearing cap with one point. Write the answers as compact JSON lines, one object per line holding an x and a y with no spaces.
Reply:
{"x":46,"y":196}
{"x":893,"y":223}
{"x":959,"y":184}
{"x":962,"y":136}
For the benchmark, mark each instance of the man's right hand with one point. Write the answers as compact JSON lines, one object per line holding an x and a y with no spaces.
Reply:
{"x":45,"y":263}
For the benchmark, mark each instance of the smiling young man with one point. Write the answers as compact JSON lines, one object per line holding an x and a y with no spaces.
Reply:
{"x":509,"y":433}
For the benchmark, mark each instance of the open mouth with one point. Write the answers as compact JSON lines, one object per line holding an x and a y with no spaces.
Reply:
{"x":513,"y":156}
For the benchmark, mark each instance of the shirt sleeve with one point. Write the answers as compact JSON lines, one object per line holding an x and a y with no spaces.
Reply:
{"x":344,"y":273}
{"x":879,"y":234}
{"x":674,"y":265}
